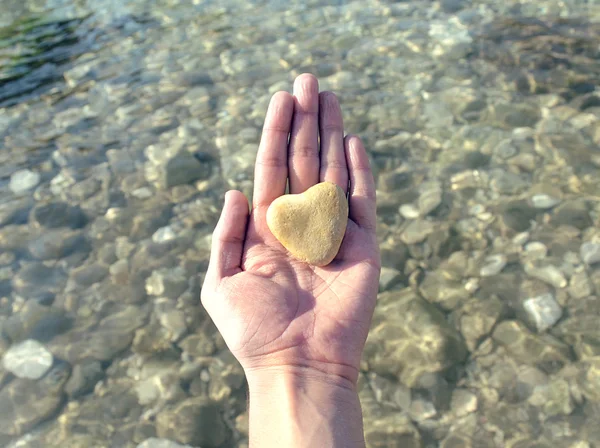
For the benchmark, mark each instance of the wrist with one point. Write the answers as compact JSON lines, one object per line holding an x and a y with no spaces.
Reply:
{"x":305,"y":407}
{"x":302,"y":374}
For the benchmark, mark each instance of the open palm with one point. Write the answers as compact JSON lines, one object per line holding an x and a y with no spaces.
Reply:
{"x":272,"y":309}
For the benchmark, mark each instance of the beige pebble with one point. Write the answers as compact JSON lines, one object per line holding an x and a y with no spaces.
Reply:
{"x":310,"y":225}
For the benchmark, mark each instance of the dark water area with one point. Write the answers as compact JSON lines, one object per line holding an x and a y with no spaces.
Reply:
{"x":482,"y":121}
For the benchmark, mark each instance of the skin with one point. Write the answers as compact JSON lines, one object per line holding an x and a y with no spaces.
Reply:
{"x":298,"y":330}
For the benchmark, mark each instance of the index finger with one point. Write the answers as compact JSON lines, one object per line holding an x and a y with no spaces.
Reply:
{"x":270,"y":171}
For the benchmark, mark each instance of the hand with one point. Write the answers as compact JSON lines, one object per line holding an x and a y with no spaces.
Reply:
{"x":274,"y":311}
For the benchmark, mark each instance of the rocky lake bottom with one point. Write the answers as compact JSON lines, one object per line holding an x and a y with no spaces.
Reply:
{"x":122,"y":124}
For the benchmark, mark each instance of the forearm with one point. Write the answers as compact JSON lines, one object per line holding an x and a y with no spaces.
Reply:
{"x":290,"y":407}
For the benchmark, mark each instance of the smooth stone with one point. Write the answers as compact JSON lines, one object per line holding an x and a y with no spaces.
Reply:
{"x":543,"y":310}
{"x":28,"y":359}
{"x":548,"y":274}
{"x":590,"y":253}
{"x":535,"y":250}
{"x":417,"y":231}
{"x":57,"y":214}
{"x":23,"y":180}
{"x":492,"y":265}
{"x":409,"y":211}
{"x":24,"y":402}
{"x":154,"y":442}
{"x":310,"y":225}
{"x":429,"y":200}
{"x":195,"y":421}
{"x":164,"y":234}
{"x":84,"y":378}
{"x":388,"y":278}
{"x":544,"y":201}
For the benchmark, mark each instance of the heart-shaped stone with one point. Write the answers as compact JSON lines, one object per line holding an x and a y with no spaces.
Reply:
{"x":310,"y":225}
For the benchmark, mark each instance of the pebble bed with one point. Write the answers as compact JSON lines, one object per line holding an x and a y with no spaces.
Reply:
{"x":123,"y":123}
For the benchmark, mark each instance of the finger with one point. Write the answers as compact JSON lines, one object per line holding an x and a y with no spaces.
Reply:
{"x":331,"y":131}
{"x":303,"y":157}
{"x":362,"y":207}
{"x":228,"y":237}
{"x":270,"y":171}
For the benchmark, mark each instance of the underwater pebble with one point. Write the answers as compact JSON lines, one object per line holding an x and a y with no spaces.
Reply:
{"x":28,"y":359}
{"x":492,"y":265}
{"x":23,"y":180}
{"x":544,"y":201}
{"x":543,"y":310}
{"x":409,"y":211}
{"x":590,"y":253}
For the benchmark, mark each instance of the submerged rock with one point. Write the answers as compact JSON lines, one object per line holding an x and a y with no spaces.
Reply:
{"x":196,"y":421}
{"x":28,"y":359}
{"x":23,"y":180}
{"x":416,"y":341}
{"x":24,"y":402}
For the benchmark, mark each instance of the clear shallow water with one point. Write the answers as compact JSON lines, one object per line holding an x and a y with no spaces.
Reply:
{"x":482,"y":121}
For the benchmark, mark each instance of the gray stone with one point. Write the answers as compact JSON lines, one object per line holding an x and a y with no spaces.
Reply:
{"x":493,"y":265}
{"x":154,"y":442}
{"x":388,"y":278}
{"x":463,"y":402}
{"x":475,"y":159}
{"x":553,"y":398}
{"x":543,"y":310}
{"x":430,"y":199}
{"x":198,"y":345}
{"x":573,"y":213}
{"x":57,"y":243}
{"x":182,"y":168}
{"x":518,"y":215}
{"x":544,"y":351}
{"x":87,"y":275}
{"x":409,"y":211}
{"x":36,"y":321}
{"x":28,"y":359}
{"x":543,"y":201}
{"x":546,"y":273}
{"x":393,"y":430}
{"x":83,"y":378}
{"x":164,"y":234}
{"x":417,"y":341}
{"x":417,"y":231}
{"x":590,"y":253}
{"x":195,"y":421}
{"x":23,"y":180}
{"x":57,"y":214}
{"x":389,"y":393}
{"x":580,"y":285}
{"x":394,"y":180}
{"x":167,"y":282}
{"x":24,"y":403}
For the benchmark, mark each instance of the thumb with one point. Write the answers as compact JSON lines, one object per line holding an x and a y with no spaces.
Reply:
{"x":228,"y":238}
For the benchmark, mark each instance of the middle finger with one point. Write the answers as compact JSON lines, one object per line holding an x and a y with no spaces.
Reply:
{"x":303,"y":155}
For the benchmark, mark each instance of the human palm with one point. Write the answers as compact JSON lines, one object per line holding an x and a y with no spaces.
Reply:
{"x":276,"y":311}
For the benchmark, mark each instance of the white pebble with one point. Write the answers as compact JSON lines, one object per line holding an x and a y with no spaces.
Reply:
{"x":492,"y":265}
{"x":142,"y":193}
{"x":409,"y":211}
{"x":536,"y":250}
{"x":543,"y":310}
{"x":544,"y":201}
{"x":590,"y":253}
{"x":163,"y":235}
{"x":23,"y":180}
{"x":28,"y":359}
